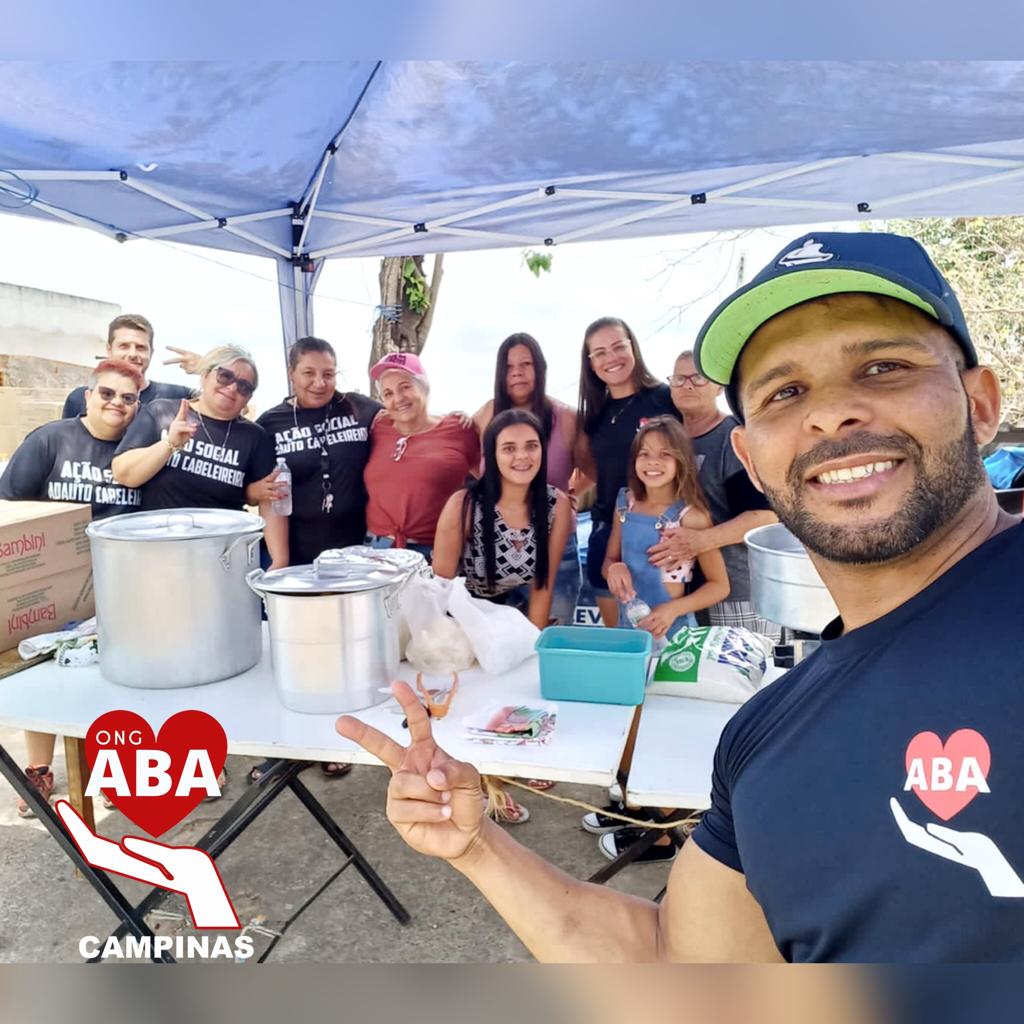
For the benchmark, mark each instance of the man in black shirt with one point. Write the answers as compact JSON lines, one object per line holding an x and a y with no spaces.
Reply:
{"x":130,"y":338}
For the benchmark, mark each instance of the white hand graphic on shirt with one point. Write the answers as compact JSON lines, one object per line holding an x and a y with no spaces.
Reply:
{"x":972,"y":849}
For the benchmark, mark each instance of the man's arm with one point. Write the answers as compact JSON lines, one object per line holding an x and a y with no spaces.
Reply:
{"x":708,"y":914}
{"x":680,"y":544}
{"x":435,"y":803}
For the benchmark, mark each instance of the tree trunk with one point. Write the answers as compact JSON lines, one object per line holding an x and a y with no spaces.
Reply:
{"x":407,"y":333}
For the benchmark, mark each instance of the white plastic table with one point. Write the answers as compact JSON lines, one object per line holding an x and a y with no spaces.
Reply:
{"x":675,"y":749}
{"x":586,"y":747}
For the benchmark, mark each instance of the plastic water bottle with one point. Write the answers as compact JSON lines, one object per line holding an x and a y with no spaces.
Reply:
{"x":283,"y":506}
{"x":636,"y":609}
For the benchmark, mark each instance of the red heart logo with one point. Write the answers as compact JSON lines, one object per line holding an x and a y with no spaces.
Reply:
{"x":947,"y":776}
{"x":126,"y":732}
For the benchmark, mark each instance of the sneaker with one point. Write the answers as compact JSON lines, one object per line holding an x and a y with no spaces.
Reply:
{"x":614,"y":844}
{"x":598,"y":824}
{"x":41,"y":779}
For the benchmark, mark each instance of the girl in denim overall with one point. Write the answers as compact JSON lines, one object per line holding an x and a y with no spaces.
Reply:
{"x":663,"y":493}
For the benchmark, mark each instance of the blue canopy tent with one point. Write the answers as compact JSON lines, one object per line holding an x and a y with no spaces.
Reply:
{"x":302,"y":162}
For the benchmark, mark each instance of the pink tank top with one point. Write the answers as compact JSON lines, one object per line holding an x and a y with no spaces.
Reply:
{"x":560,"y":461}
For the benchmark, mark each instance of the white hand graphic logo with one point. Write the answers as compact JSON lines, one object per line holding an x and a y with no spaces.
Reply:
{"x":972,"y":849}
{"x":183,"y":869}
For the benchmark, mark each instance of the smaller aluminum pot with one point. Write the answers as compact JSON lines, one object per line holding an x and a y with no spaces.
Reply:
{"x":333,"y":630}
{"x":784,"y":585}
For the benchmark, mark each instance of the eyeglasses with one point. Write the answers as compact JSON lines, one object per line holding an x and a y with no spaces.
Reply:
{"x":677,"y":380}
{"x":128,"y":398}
{"x":225,"y":378}
{"x":620,"y":348}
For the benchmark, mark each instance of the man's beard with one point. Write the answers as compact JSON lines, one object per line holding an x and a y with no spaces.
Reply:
{"x":940,"y":491}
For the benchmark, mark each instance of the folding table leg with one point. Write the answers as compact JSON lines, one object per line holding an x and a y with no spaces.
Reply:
{"x":361,"y":864}
{"x":131,"y":920}
{"x":78,"y":775}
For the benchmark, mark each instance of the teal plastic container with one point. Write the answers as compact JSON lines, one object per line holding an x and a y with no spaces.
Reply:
{"x":593,"y":663}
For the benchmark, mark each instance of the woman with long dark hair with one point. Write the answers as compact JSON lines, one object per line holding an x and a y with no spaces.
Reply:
{"x":520,"y":382}
{"x":617,"y":395}
{"x":505,"y":534}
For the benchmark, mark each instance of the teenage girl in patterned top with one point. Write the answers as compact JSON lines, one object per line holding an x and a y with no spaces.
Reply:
{"x":507,"y":529}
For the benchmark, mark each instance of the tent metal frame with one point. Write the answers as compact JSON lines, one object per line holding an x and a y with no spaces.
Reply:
{"x":298,"y":266}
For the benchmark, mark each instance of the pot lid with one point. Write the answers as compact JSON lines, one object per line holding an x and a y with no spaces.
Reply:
{"x":176,"y":524}
{"x":340,"y":571}
{"x":404,"y":558}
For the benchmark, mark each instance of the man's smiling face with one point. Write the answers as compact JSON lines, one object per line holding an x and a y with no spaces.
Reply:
{"x":858,"y":425}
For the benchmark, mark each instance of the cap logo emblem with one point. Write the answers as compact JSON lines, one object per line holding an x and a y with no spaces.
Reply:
{"x":810,"y":252}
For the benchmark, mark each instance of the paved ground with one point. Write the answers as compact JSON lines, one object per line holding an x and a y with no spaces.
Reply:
{"x":279,"y":862}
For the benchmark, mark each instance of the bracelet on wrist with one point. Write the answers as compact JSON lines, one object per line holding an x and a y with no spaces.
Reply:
{"x":173,"y":447}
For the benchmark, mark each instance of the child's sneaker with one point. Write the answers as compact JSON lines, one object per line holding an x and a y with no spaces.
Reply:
{"x":41,"y":779}
{"x":614,"y":844}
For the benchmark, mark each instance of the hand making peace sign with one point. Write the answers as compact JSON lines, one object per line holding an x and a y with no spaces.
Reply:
{"x":434,"y":801}
{"x":182,"y":429}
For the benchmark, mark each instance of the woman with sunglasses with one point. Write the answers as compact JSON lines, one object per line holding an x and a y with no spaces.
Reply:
{"x":69,"y":460}
{"x":617,"y":394}
{"x":417,"y":461}
{"x":324,"y":436}
{"x":202,"y":453}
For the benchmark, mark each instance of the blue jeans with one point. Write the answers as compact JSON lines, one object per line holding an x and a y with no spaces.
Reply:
{"x":375,"y":541}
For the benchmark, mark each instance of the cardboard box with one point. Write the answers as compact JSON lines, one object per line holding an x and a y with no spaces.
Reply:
{"x":45,"y":568}
{"x":24,"y":409}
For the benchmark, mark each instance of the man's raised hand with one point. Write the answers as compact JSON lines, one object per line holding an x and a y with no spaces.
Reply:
{"x":186,"y":359}
{"x":434,"y":801}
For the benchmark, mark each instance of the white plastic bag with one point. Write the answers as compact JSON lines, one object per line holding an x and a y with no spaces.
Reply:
{"x":436,"y":643}
{"x":501,"y":637}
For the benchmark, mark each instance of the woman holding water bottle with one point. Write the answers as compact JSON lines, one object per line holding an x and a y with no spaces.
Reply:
{"x":322,"y":441}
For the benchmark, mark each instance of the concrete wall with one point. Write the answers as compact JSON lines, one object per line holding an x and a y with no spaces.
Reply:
{"x":53,"y":325}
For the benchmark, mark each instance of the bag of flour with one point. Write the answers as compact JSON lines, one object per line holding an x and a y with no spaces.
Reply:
{"x":724,"y":663}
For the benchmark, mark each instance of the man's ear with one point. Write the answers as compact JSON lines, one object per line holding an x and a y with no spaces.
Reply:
{"x":739,"y":446}
{"x":982,"y":387}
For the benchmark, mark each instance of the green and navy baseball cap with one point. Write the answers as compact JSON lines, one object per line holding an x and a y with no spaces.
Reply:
{"x":827,"y":263}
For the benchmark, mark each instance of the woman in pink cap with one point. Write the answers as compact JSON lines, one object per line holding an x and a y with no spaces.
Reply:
{"x":417,"y":461}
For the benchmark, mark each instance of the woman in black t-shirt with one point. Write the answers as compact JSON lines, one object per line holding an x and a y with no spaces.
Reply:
{"x":617,"y":394}
{"x":203,"y":454}
{"x":324,"y":436}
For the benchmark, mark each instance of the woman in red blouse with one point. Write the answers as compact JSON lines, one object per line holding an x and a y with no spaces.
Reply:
{"x":417,"y":461}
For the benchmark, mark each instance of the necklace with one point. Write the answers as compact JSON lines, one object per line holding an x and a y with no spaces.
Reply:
{"x":326,"y":490}
{"x":227,"y":433}
{"x":615,"y":418}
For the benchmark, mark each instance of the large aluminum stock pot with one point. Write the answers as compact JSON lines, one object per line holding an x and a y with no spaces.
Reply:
{"x":784,"y":585}
{"x":334,"y":628}
{"x":172,"y":605}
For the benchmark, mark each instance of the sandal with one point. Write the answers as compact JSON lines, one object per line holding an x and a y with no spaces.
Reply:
{"x":511,"y":813}
{"x":541,"y":785}
{"x":335,"y":769}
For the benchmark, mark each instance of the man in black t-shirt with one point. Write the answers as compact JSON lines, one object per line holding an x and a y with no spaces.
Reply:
{"x":130,"y":338}
{"x":69,"y":459}
{"x":865,"y":806}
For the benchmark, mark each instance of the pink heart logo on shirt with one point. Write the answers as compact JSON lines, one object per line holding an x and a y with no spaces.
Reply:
{"x":947,"y":776}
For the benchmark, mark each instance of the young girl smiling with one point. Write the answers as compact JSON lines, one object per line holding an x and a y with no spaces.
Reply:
{"x":663,"y":491}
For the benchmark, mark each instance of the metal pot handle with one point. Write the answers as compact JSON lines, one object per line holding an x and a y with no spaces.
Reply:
{"x":180,"y":520}
{"x":225,"y":557}
{"x":252,"y":578}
